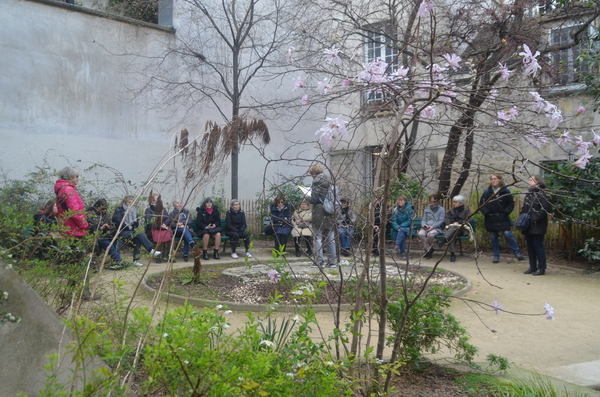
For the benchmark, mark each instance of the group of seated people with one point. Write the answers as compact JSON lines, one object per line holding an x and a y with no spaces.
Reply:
{"x":299,"y":225}
{"x":161,"y":226}
{"x":435,"y":221}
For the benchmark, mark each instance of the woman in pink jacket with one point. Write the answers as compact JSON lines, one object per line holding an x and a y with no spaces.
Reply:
{"x":71,"y":211}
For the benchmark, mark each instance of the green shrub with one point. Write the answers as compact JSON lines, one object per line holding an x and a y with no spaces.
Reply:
{"x":193,"y":355}
{"x":428,"y":327}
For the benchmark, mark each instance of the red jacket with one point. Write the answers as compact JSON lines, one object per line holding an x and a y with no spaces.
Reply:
{"x":67,"y":197}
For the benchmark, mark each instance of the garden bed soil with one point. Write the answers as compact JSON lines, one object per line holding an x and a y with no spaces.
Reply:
{"x":214,"y":285}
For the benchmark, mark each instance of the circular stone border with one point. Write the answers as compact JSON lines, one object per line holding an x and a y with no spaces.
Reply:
{"x":264,"y":307}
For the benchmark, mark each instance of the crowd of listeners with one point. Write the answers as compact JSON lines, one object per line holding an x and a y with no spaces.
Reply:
{"x":316,"y":232}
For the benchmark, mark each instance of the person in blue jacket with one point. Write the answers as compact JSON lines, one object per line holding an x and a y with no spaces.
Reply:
{"x":402,"y":215}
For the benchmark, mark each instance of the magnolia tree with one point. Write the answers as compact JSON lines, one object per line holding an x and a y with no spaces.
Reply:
{"x":463,"y":77}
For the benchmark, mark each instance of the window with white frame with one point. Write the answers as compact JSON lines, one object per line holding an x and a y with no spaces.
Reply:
{"x":380,"y":44}
{"x":565,"y":67}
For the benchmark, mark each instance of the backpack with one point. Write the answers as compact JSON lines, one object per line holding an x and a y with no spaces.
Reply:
{"x":331,"y":203}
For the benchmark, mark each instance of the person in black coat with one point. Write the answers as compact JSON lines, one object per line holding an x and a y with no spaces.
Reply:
{"x":235,"y":228}
{"x":126,"y":213}
{"x":208,"y":224}
{"x":537,"y":204}
{"x":281,"y":219}
{"x":496,"y":205}
{"x":101,"y":223}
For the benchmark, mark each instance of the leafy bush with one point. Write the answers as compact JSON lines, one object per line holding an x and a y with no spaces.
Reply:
{"x":428,"y":327}
{"x":591,"y":251}
{"x":193,"y":355}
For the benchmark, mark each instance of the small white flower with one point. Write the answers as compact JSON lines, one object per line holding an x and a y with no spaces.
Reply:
{"x":181,"y":348}
{"x":227,"y":312}
{"x":291,"y":375}
{"x":344,"y":262}
{"x":379,"y":361}
{"x":329,"y":363}
{"x":295,"y":319}
{"x":225,"y":326}
{"x":186,"y":362}
{"x":9,"y":266}
{"x":219,"y":307}
{"x":240,"y":379}
{"x":4,"y":295}
{"x":165,"y":335}
{"x":212,"y":329}
{"x":267,"y":343}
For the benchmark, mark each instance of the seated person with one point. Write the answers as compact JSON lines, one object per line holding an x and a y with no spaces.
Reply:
{"x":302,"y":227}
{"x":402,"y":215}
{"x":151,"y":218}
{"x":100,"y":223}
{"x":346,"y":219}
{"x":126,"y":214}
{"x":235,"y":227}
{"x":281,"y":219}
{"x":208,"y":224}
{"x":455,"y":218}
{"x":432,"y":224}
{"x":180,"y":220}
{"x":45,"y":220}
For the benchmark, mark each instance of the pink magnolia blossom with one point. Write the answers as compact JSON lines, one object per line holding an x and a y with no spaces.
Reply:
{"x":410,"y":110}
{"x":554,"y":114}
{"x":583,"y":161}
{"x":549,"y":310}
{"x":580,"y":110}
{"x":331,"y":129}
{"x":290,"y":54}
{"x":401,"y":73}
{"x":564,"y":138}
{"x":428,"y":112}
{"x":346,"y":83}
{"x":530,"y":61}
{"x":504,"y":72}
{"x":274,"y":276}
{"x":332,"y":55}
{"x":493,"y":95}
{"x":497,"y":307}
{"x":324,"y":87}
{"x":509,"y":115}
{"x":596,"y":140}
{"x":537,"y":139}
{"x":582,"y":146}
{"x":453,"y":61}
{"x":446,"y":96}
{"x":425,"y":8}
{"x":305,"y":100}
{"x":538,"y":102}
{"x":298,"y":83}
{"x":374,"y":72}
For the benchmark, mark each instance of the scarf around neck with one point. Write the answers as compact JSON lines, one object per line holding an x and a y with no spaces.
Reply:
{"x":130,"y":216}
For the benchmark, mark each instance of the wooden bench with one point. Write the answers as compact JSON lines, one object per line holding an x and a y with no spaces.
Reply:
{"x":224,"y":238}
{"x":416,"y":226}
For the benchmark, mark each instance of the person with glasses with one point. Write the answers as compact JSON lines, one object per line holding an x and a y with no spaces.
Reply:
{"x":323,"y":222}
{"x":496,"y":204}
{"x":281,"y":219}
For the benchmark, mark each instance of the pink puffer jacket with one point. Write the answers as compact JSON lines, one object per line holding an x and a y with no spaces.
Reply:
{"x":67,"y":196}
